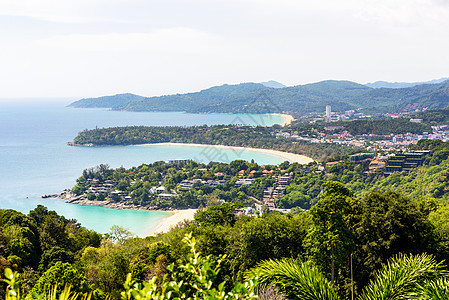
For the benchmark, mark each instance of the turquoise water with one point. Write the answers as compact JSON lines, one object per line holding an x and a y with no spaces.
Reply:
{"x":34,"y":159}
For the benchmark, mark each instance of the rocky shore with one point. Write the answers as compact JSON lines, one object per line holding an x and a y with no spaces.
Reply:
{"x":70,"y":197}
{"x":80,"y":145}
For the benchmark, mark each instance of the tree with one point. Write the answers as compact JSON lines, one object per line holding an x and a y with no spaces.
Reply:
{"x":142,"y":264}
{"x":402,"y":277}
{"x":331,"y":238}
{"x":53,"y":255}
{"x":20,"y":238}
{"x":196,"y":279}
{"x":61,"y":274}
{"x":407,"y":277}
{"x":299,"y":280}
{"x":389,"y":224}
{"x":119,"y":234}
{"x":269,"y":236}
{"x":223,"y":214}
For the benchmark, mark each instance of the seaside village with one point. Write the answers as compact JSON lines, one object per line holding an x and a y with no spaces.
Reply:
{"x":246,"y":178}
{"x":394,"y":158}
{"x":389,"y":145}
{"x":337,"y":135}
{"x":122,"y":199}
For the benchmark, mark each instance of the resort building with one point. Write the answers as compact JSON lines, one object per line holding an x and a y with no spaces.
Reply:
{"x":406,"y":161}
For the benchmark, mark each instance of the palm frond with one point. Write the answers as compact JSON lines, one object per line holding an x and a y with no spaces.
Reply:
{"x":434,"y":290}
{"x":401,"y":276}
{"x":297,"y":279}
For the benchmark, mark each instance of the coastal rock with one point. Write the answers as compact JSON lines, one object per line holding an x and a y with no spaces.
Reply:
{"x":50,"y":196}
{"x":72,"y":198}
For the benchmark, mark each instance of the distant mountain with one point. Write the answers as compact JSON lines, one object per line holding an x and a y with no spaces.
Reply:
{"x":273,"y":84}
{"x":212,"y":98}
{"x":105,"y":101}
{"x":398,"y":85}
{"x":431,"y":96}
{"x":257,"y":98}
{"x":254,"y":98}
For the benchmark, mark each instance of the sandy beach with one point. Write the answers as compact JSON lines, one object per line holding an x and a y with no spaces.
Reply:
{"x":172,"y":220}
{"x":291,"y":157}
{"x":288,"y":119}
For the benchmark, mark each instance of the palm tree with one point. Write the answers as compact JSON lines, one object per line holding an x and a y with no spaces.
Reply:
{"x":299,"y":280}
{"x":402,"y":277}
{"x":405,"y":277}
{"x":434,"y":290}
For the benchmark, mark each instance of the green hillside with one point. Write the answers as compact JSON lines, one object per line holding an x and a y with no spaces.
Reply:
{"x":429,"y":180}
{"x":434,"y":116}
{"x":212,"y":99}
{"x":106,"y":101}
{"x":257,"y":98}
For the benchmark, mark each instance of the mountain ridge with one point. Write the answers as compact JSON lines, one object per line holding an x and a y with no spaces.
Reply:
{"x":257,"y":98}
{"x":105,"y":101}
{"x":396,"y":85}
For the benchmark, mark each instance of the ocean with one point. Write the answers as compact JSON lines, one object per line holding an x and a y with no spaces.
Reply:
{"x":34,"y":158}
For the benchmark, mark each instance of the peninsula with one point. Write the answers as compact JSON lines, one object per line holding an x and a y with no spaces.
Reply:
{"x":271,"y":140}
{"x":286,"y":156}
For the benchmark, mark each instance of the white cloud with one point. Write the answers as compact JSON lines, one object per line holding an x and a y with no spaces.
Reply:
{"x":408,"y":14}
{"x":61,"y":11}
{"x":166,"y":46}
{"x":171,"y":40}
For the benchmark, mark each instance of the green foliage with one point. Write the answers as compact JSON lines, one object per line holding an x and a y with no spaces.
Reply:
{"x":223,"y":214}
{"x":202,"y":273}
{"x":13,"y":286}
{"x":389,"y":224}
{"x":299,"y":280}
{"x":106,"y":267}
{"x":332,"y":237}
{"x":21,"y":238}
{"x":438,"y":116}
{"x":425,"y":181}
{"x":270,"y":236}
{"x":60,"y":275}
{"x":371,"y":230}
{"x":107,"y":101}
{"x":144,"y":263}
{"x":119,"y":234}
{"x":434,"y":289}
{"x":229,"y":135}
{"x":405,"y":277}
{"x":402,"y":277}
{"x":14,"y":290}
{"x":384,"y":127}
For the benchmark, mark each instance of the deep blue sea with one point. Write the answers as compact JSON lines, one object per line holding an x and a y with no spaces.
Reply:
{"x":34,"y":158}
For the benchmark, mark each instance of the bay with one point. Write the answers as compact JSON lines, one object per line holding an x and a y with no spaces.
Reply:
{"x":34,"y":158}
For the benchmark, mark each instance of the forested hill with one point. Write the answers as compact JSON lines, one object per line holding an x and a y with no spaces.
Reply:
{"x":241,"y":136}
{"x":209,"y":100}
{"x":106,"y":101}
{"x":398,"y":85}
{"x":258,"y":98}
{"x":437,"y":116}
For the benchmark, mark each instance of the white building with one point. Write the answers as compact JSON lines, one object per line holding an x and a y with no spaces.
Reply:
{"x":328,"y":113}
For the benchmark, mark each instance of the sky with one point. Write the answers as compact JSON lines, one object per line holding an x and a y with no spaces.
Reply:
{"x":90,"y":48}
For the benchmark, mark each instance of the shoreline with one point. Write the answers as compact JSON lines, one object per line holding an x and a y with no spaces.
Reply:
{"x":177,"y":216}
{"x":288,"y":119}
{"x":71,"y":198}
{"x":291,"y":157}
